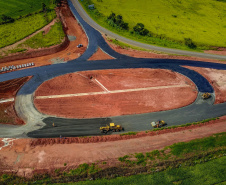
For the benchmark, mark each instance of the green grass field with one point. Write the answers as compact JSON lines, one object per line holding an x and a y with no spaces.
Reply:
{"x":17,"y":8}
{"x":28,"y":18}
{"x":212,"y":172}
{"x":203,"y":21}
{"x":53,"y":37}
{"x":13,"y":32}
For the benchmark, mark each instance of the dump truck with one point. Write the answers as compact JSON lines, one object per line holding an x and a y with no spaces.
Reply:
{"x":158,"y":124}
{"x":206,"y":95}
{"x":112,"y":127}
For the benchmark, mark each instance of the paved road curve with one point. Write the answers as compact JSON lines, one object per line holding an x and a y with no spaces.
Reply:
{"x":40,"y":125}
{"x":90,"y":21}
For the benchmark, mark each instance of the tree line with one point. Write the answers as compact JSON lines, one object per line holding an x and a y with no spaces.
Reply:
{"x":118,"y":22}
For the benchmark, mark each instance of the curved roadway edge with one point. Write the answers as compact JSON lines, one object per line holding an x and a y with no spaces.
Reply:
{"x":95,"y":39}
{"x":37,"y":127}
{"x":90,"y":21}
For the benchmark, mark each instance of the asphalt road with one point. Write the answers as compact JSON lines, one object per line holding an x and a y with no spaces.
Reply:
{"x":40,"y":125}
{"x":92,"y":23}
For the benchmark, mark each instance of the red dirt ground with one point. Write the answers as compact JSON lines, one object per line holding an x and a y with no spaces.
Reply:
{"x":24,"y":157}
{"x":100,"y":55}
{"x":217,"y":79}
{"x":8,"y":89}
{"x":218,"y":51}
{"x":120,"y":103}
{"x":71,"y":52}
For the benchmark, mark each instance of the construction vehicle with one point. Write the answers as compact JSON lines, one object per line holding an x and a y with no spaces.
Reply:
{"x":158,"y":124}
{"x":206,"y":95}
{"x":112,"y":127}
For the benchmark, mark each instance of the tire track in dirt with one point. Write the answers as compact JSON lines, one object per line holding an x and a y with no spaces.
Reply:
{"x":110,"y":92}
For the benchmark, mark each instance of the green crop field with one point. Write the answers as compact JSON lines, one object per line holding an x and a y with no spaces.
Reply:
{"x":212,"y":172}
{"x":53,"y":37}
{"x":13,"y":32}
{"x":17,"y":8}
{"x":19,"y":19}
{"x":203,"y":21}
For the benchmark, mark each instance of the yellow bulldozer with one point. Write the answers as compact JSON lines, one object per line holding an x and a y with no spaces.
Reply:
{"x":158,"y":124}
{"x":112,"y":127}
{"x":206,"y":95}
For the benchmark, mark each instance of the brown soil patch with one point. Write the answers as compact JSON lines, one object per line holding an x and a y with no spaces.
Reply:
{"x":24,"y":157}
{"x":217,"y":79}
{"x":100,"y":55}
{"x":1,"y":143}
{"x":154,"y":54}
{"x":115,"y":103}
{"x":70,"y":53}
{"x":218,"y":51}
{"x":8,"y":114}
{"x":8,"y":89}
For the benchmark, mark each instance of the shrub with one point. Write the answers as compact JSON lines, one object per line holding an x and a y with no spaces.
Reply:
{"x":122,"y":159}
{"x":189,"y":43}
{"x":140,"y":29}
{"x":117,"y":21}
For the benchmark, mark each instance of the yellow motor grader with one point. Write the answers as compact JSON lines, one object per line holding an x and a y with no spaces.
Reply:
{"x":112,"y":127}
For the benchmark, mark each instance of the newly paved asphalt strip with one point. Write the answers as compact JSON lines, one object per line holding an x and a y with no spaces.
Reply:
{"x":92,"y":23}
{"x":40,"y":125}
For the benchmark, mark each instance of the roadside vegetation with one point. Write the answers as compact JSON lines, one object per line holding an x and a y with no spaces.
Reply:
{"x":17,"y":9}
{"x":189,"y":25}
{"x":200,"y":161}
{"x":13,"y":32}
{"x":42,"y":40}
{"x":19,"y":19}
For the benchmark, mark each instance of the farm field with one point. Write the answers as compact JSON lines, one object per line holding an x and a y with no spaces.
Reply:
{"x":13,"y":32}
{"x":203,"y":21}
{"x":20,"y":19}
{"x":16,"y":8}
{"x":41,"y":40}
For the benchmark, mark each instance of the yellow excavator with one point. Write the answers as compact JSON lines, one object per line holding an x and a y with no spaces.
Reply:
{"x":112,"y":127}
{"x":206,"y":95}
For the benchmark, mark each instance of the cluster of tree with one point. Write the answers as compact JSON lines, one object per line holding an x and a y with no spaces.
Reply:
{"x":117,"y":21}
{"x":188,"y":42}
{"x":140,"y":29}
{"x":6,"y":19}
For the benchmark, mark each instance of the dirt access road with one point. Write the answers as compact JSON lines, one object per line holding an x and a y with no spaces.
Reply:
{"x":25,"y":159}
